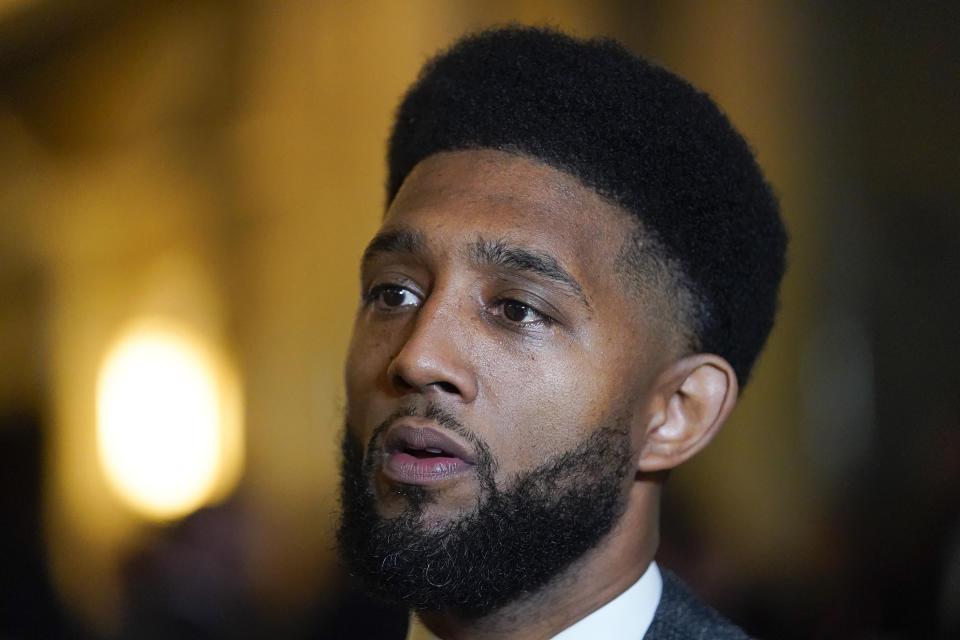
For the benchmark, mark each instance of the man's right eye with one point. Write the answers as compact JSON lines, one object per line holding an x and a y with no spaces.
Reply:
{"x":392,"y":296}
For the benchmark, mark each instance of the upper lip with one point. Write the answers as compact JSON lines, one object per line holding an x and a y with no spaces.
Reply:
{"x":419,"y":434}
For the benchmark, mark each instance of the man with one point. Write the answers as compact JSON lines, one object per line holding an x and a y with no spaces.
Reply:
{"x":578,"y":265}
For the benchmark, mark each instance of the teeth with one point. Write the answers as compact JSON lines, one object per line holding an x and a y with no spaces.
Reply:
{"x":426,"y":452}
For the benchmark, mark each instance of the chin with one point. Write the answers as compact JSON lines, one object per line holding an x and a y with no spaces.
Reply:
{"x":433,"y":507}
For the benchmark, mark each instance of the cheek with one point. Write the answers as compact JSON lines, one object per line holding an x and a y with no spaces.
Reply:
{"x":547,"y":404}
{"x":368,"y":357}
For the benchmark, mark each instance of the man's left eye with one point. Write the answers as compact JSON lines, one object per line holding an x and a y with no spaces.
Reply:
{"x":520,"y":313}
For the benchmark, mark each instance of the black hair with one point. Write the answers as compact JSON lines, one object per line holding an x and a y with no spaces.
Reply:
{"x":635,"y":133}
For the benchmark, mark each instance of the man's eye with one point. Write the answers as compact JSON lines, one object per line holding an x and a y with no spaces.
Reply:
{"x":391,"y":296}
{"x":520,"y":313}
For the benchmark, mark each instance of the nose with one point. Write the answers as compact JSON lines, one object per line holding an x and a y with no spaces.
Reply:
{"x":435,"y":359}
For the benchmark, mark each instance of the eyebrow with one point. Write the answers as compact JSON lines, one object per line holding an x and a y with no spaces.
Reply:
{"x":501,"y":254}
{"x":482,"y":251}
{"x":406,"y":241}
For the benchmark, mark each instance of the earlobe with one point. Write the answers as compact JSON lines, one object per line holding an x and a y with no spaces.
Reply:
{"x":695,"y":397}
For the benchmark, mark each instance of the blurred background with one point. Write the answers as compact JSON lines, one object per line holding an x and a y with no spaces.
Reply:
{"x":186,"y":186}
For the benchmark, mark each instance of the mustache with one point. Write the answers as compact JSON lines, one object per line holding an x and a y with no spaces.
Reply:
{"x":432,"y":411}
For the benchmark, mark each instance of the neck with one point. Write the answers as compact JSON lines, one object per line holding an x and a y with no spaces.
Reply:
{"x":602,"y":574}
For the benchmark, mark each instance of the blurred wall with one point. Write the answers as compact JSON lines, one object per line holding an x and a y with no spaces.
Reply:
{"x":221,"y":163}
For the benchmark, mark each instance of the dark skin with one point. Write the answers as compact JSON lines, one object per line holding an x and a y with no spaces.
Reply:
{"x":494,"y":290}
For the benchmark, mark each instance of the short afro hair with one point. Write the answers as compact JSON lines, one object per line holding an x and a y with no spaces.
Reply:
{"x":635,"y":133}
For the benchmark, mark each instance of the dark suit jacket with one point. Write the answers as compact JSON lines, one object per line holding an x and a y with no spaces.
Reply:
{"x":683,"y":616}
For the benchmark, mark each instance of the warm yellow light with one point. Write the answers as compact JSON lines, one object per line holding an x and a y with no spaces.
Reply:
{"x":167,"y":424}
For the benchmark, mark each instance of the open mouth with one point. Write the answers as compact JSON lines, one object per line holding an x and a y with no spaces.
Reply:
{"x":430,"y":452}
{"x":425,"y":442}
{"x":424,"y":455}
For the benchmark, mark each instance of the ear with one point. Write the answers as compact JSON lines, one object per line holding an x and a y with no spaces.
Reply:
{"x":693,"y":398}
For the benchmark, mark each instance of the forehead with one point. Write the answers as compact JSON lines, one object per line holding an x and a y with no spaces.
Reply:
{"x":452,"y":197}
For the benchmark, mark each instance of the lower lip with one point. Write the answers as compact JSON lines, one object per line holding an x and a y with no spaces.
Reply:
{"x":407,"y":469}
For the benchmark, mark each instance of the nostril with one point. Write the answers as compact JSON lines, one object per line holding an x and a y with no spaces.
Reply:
{"x":400,"y":383}
{"x":448,"y":387}
{"x":410,"y":372}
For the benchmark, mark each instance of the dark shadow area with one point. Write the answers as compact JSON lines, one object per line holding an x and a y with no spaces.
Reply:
{"x":29,"y":607}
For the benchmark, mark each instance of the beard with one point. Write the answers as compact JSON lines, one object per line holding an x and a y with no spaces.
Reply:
{"x":511,"y":545}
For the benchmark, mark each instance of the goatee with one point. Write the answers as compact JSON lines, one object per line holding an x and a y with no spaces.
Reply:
{"x":515,"y":541}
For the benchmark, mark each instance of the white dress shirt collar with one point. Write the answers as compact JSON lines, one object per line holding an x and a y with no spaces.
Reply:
{"x":626,"y":617}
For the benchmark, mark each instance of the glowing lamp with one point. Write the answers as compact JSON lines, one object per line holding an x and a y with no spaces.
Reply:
{"x":168,"y":428}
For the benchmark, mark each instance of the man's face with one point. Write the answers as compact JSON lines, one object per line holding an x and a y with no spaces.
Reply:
{"x":494,"y":339}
